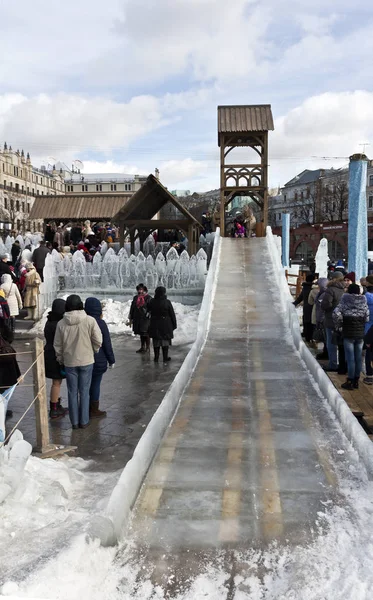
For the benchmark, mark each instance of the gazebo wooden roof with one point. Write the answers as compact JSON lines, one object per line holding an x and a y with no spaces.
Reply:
{"x":95,"y":207}
{"x":141,"y":210}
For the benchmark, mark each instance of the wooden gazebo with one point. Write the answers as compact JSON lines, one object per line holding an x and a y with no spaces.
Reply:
{"x":244,"y":127}
{"x":141,"y":212}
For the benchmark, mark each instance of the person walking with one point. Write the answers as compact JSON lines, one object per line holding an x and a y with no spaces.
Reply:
{"x":53,"y":369}
{"x":39,"y":256}
{"x":139,"y":318}
{"x":77,"y":339}
{"x":103,"y":357}
{"x":162,"y":323}
{"x":307,"y":286}
{"x":330,"y":300}
{"x":368,"y":379}
{"x":12,"y":296}
{"x":350,"y":317}
{"x":15,"y":252}
{"x":31,"y":299}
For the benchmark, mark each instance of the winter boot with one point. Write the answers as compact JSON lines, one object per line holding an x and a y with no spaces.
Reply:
{"x":349,"y":385}
{"x":156,"y":354}
{"x":30,"y":314}
{"x":356,"y":383}
{"x":166,"y":358}
{"x":147,"y":344}
{"x":368,"y":380}
{"x":95,"y":412}
{"x":56,"y":411}
{"x":64,"y":408}
{"x":143,"y":345}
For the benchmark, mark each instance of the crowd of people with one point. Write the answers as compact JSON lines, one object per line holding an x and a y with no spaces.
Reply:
{"x":338,"y":311}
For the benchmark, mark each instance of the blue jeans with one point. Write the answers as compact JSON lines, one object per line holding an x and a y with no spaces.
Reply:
{"x":94,"y":391}
{"x":354,"y":357}
{"x":78,"y":380}
{"x":332,"y":349}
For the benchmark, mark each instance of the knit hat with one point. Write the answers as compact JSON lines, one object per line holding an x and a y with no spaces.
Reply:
{"x":73,"y":302}
{"x":59,"y":306}
{"x":353,"y":288}
{"x":93,"y":307}
{"x":337,"y":275}
{"x":369,"y":279}
{"x":322,"y":282}
{"x":351,"y":276}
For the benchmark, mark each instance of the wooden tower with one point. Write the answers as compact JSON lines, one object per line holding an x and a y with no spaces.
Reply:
{"x":244,"y":127}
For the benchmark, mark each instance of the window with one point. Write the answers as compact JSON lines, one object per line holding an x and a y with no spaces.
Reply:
{"x":17,"y":205}
{"x":301,"y":195}
{"x":37,"y":192}
{"x":23,"y":207}
{"x":284,"y":197}
{"x":70,"y":188}
{"x":370,"y":202}
{"x":99,"y":187}
{"x":23,"y":189}
{"x":113,"y":187}
{"x":11,"y":185}
{"x":279,"y":216}
{"x":370,"y":180}
{"x":33,"y":192}
{"x":28,"y":224}
{"x":41,"y":180}
{"x":6,"y":203}
{"x":4,"y":184}
{"x":42,"y":193}
{"x":84,"y":188}
{"x":17,"y":188}
{"x":308,"y":193}
{"x":295,"y":196}
{"x":12,"y":205}
{"x":28,"y":190}
{"x":3,"y":168}
{"x":28,"y":207}
{"x":127,"y":187}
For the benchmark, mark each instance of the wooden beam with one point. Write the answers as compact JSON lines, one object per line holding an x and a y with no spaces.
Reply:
{"x":157,"y":223}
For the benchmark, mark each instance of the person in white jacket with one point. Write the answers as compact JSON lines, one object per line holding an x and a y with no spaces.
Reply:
{"x":13,"y":297}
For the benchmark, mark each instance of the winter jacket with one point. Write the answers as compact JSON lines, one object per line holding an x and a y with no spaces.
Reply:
{"x":369,"y":297}
{"x":350,"y":315}
{"x":162,"y":319}
{"x":32,"y":285}
{"x":52,"y":366}
{"x":15,"y":252}
{"x":139,"y":316}
{"x":331,"y":298}
{"x":77,"y":339}
{"x":5,"y":269}
{"x":303,"y":297}
{"x":9,"y":369}
{"x":105,"y":354}
{"x":39,"y":256}
{"x":12,"y":295}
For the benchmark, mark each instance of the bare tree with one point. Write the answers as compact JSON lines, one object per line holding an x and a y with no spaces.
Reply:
{"x":335,"y":199}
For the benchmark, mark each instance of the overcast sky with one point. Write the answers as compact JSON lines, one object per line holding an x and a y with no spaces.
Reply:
{"x":130,"y":85}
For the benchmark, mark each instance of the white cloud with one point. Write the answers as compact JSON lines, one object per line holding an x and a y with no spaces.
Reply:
{"x":109,"y":166}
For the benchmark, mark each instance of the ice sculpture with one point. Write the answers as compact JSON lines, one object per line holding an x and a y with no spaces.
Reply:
{"x":322,"y":258}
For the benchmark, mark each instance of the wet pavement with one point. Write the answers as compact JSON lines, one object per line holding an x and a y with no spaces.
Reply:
{"x":254,"y":452}
{"x":130,"y":393}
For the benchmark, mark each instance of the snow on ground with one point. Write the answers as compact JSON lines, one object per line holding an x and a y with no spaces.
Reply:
{"x":336,"y":565}
{"x":54,"y":500}
{"x":115,"y":314}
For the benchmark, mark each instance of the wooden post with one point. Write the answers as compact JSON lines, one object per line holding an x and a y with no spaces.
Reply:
{"x":43,"y":446}
{"x":222,"y":187}
{"x":41,"y":408}
{"x":265,"y":181}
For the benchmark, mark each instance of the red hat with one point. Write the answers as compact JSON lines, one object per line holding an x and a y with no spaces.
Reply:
{"x":351,"y":276}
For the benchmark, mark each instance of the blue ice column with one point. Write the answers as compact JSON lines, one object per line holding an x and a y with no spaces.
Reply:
{"x":285,"y":239}
{"x":357,"y":216}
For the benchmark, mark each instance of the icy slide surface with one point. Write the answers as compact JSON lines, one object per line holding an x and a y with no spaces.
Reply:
{"x":255,"y":492}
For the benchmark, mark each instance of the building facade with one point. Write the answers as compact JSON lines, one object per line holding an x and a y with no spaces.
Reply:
{"x":20,"y":183}
{"x":102,"y":183}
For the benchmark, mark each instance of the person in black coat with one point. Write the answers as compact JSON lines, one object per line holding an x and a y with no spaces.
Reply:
{"x":104,"y":356}
{"x":307,"y":307}
{"x":162,"y":323}
{"x":139,"y":317}
{"x":52,"y":367}
{"x":9,"y":370}
{"x":5,"y":268}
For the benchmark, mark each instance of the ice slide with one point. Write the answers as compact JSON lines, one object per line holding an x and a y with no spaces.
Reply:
{"x":254,"y":454}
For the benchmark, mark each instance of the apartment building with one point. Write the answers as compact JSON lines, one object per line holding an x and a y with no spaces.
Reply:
{"x":20,"y":183}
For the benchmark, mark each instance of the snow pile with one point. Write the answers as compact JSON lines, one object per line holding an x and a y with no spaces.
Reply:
{"x":116,"y":313}
{"x":13,"y":459}
{"x":50,"y":501}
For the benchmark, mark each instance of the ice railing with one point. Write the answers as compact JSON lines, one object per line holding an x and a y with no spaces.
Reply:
{"x":120,"y":271}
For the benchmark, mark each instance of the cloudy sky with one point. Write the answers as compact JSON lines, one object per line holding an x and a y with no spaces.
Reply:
{"x":130,"y":85}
